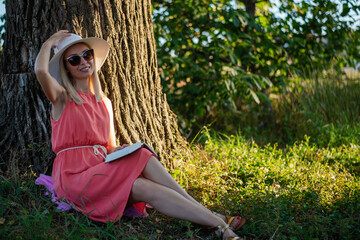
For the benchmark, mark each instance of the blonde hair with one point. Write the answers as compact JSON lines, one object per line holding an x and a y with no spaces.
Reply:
{"x":94,"y":83}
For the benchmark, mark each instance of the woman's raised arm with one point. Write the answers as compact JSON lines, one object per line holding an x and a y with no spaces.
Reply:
{"x":53,"y":90}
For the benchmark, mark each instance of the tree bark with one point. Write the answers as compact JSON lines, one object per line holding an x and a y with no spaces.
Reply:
{"x":250,"y":6}
{"x":129,"y":77}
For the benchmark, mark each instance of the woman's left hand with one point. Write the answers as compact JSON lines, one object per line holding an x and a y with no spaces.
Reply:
{"x":114,"y":149}
{"x":121,"y":147}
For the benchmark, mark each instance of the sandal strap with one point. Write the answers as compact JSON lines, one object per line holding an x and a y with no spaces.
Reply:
{"x":235,"y":225}
{"x":230,"y":220}
{"x":223,"y":228}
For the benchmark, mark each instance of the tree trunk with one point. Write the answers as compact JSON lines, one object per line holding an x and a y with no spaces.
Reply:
{"x":129,"y":77}
{"x":250,"y":6}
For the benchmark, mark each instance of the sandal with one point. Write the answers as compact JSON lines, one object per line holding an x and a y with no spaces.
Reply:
{"x":222,"y":229}
{"x":235,"y":225}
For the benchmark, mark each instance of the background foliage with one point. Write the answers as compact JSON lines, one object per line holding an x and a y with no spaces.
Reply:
{"x":219,"y":65}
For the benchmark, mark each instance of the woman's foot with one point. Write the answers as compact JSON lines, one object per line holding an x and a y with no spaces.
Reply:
{"x":234,"y":222}
{"x":226,"y":233}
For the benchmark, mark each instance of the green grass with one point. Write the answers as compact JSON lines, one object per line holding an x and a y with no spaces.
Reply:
{"x":326,"y":108}
{"x":298,"y":192}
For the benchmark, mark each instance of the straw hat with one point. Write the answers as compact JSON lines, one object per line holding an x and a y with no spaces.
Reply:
{"x":100,"y":46}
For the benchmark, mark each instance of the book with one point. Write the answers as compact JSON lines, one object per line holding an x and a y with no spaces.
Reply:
{"x":126,"y":151}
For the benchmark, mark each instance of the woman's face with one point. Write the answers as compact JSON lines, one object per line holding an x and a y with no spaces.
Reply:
{"x":83,"y":69}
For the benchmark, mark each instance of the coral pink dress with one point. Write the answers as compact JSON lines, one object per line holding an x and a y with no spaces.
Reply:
{"x":98,"y":189}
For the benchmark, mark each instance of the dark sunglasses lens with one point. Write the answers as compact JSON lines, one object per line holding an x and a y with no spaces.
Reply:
{"x":74,"y":60}
{"x":88,"y":55}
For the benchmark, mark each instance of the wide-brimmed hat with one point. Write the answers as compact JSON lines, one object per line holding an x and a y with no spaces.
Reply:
{"x":100,"y":46}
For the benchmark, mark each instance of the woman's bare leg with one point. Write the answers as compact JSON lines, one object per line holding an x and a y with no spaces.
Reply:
{"x":174,"y":204}
{"x":156,"y":172}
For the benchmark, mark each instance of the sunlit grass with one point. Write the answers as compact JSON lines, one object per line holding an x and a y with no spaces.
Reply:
{"x":298,"y":192}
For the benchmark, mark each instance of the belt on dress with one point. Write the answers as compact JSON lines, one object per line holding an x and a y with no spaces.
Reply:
{"x":95,"y":147}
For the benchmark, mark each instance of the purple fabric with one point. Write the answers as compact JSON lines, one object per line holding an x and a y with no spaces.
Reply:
{"x":64,"y":205}
{"x":45,"y":180}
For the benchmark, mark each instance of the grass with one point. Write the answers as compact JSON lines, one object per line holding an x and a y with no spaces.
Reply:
{"x":307,"y":187}
{"x":326,"y":108}
{"x":26,"y":213}
{"x":298,"y":192}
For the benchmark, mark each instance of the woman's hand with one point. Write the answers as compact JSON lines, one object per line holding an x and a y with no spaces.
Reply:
{"x":121,"y":147}
{"x":114,"y":149}
{"x":42,"y":60}
{"x":56,"y":37}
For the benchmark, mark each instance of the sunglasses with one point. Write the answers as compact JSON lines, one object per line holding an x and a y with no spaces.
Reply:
{"x":75,"y":60}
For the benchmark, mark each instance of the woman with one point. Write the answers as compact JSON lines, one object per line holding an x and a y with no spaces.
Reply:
{"x":83,"y":133}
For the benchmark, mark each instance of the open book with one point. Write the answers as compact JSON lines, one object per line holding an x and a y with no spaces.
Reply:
{"x":126,"y":151}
